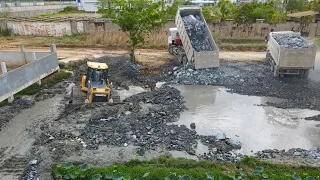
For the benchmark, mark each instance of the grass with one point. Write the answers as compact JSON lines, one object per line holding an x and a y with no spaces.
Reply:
{"x":317,"y":42}
{"x":118,"y":40}
{"x":35,"y":88}
{"x":66,"y":10}
{"x":162,"y":167}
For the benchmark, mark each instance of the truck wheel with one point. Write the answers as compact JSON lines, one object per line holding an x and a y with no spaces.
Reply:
{"x":275,"y":71}
{"x":306,"y":74}
{"x":170,"y":49}
{"x":185,"y":62}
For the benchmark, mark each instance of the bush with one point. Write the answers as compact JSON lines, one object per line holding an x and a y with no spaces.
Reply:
{"x":181,"y":168}
{"x":5,"y":32}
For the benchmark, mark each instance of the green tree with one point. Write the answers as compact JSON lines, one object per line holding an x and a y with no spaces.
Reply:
{"x":243,"y":14}
{"x":316,"y":5}
{"x":226,"y":9}
{"x":138,"y":18}
{"x":211,"y":13}
{"x":106,"y":7}
{"x":296,"y":5}
{"x":171,"y":11}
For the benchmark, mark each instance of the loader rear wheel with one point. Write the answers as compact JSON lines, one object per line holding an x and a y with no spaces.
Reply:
{"x":77,"y":95}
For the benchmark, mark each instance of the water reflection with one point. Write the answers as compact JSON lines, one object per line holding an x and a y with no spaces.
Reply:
{"x":240,"y":117}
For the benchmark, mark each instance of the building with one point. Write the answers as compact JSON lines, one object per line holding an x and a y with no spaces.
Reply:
{"x":295,"y":16}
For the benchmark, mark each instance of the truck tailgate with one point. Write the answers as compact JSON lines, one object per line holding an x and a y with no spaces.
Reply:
{"x":206,"y":59}
{"x":297,"y":58}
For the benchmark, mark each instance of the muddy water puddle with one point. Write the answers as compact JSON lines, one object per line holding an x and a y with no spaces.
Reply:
{"x":244,"y":118}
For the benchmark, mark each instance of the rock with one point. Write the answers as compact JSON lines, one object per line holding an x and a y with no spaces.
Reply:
{"x":175,"y":68}
{"x":193,"y":126}
{"x":125,"y":144}
{"x":148,"y":127}
{"x":234,"y":143}
{"x":97,"y":141}
{"x":33,"y":162}
{"x":190,"y":70}
{"x":221,"y":136}
{"x":172,"y":131}
{"x":167,"y":140}
{"x":51,"y":138}
{"x":127,"y":113}
{"x":297,"y":153}
{"x":162,"y":113}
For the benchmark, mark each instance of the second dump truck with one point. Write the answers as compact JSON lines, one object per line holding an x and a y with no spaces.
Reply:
{"x":193,"y":52}
{"x":290,"y":54}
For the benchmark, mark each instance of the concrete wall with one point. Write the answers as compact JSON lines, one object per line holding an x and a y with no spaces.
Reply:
{"x":40,"y":28}
{"x":223,"y":30}
{"x":18,"y":79}
{"x":15,"y":59}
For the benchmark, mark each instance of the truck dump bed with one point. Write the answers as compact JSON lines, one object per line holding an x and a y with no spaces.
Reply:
{"x":202,"y":58}
{"x":289,"y":57}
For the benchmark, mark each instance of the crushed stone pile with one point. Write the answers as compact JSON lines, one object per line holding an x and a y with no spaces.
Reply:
{"x":195,"y":28}
{"x":272,"y":153}
{"x":291,"y":41}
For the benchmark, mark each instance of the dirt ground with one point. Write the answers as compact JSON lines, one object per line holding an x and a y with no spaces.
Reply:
{"x":52,"y":131}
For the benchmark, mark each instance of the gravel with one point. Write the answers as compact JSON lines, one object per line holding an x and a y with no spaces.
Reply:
{"x":273,"y":153}
{"x":195,"y":28}
{"x":291,"y":41}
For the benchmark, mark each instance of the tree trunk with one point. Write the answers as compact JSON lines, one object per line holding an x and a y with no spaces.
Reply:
{"x":132,"y":56}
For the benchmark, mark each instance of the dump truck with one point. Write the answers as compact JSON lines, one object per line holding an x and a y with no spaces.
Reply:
{"x":191,"y":41}
{"x":290,"y":54}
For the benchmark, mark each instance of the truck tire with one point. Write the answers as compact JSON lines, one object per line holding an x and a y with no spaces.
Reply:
{"x":170,"y":49}
{"x":185,"y":62}
{"x":306,"y":73}
{"x":272,"y":66}
{"x":275,"y":71}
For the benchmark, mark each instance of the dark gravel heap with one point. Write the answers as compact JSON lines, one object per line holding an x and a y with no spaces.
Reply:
{"x":291,"y":41}
{"x":272,"y":153}
{"x":143,"y":122}
{"x":195,"y":28}
{"x":254,"y":79}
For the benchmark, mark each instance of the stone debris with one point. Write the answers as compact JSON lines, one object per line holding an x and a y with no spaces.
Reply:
{"x":272,"y":153}
{"x":291,"y":41}
{"x":195,"y":28}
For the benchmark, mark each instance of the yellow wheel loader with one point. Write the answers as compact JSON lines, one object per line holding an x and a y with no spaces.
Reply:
{"x":95,"y":86}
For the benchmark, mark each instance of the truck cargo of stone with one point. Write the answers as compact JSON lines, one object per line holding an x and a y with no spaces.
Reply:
{"x":191,"y":41}
{"x":289,"y":53}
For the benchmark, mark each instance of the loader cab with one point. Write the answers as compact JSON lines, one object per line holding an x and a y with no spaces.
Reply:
{"x":97,"y":72}
{"x":96,"y":75}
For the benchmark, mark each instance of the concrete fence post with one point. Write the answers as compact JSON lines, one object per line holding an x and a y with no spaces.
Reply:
{"x":4,"y":71}
{"x":34,"y":58}
{"x":53,"y":48}
{"x":22,"y":53}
